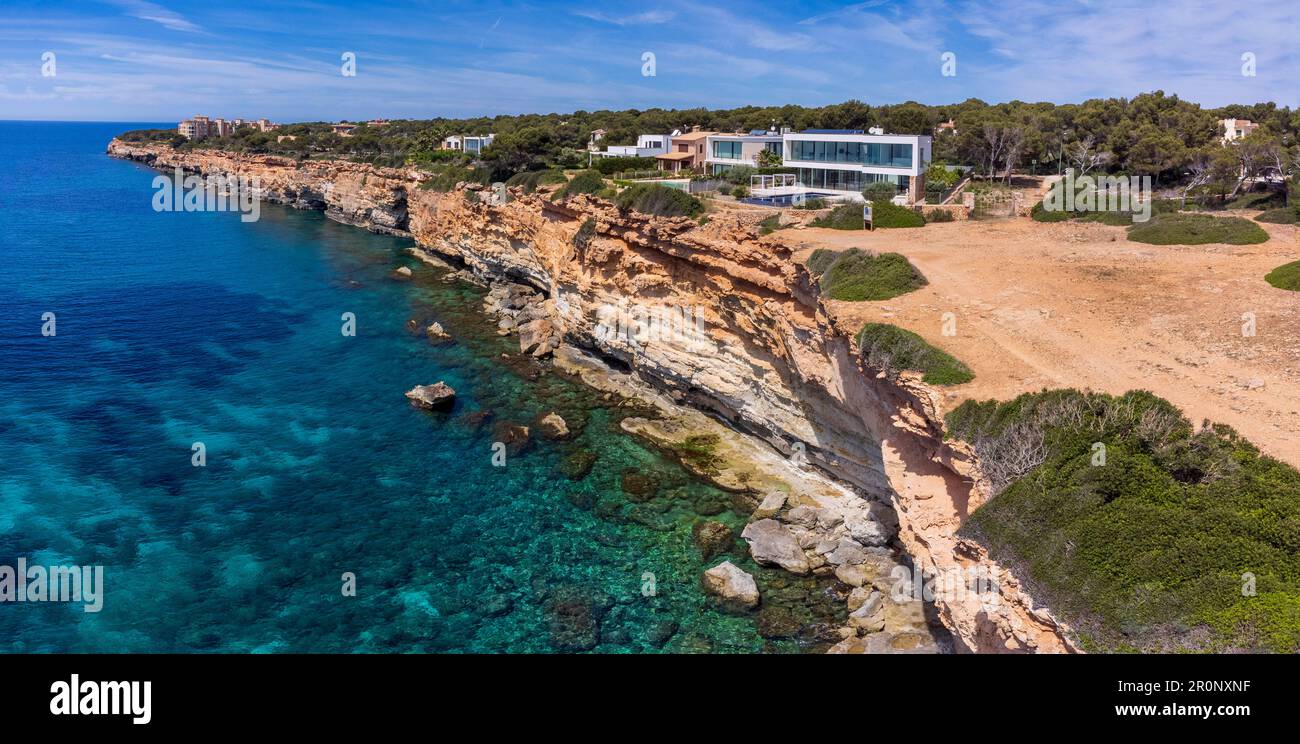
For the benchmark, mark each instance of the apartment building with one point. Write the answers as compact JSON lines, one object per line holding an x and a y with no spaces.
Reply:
{"x":726,"y":151}
{"x":201,"y":127}
{"x":843,"y":160}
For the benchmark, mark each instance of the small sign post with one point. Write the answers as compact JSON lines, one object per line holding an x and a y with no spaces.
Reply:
{"x":866,"y":217}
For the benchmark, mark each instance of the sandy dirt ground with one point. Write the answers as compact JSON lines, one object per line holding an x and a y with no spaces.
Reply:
{"x":1077,"y":305}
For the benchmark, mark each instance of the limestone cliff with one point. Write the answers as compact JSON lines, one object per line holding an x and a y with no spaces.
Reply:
{"x":718,"y":316}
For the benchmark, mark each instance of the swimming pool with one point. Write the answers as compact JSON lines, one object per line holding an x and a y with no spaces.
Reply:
{"x":786,"y":200}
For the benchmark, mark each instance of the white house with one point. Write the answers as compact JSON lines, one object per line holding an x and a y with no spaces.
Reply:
{"x":647,"y":146}
{"x":472,"y":144}
{"x":842,"y":160}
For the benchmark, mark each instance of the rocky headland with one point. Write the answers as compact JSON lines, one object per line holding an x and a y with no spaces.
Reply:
{"x":847,"y":472}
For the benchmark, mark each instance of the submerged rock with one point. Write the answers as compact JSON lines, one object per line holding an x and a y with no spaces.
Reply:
{"x":573,"y":618}
{"x":438,"y":396}
{"x":552,"y":426}
{"x":514,"y":436}
{"x":711,"y":537}
{"x":639,"y":486}
{"x":732,"y":585}
{"x":402,"y":273}
{"x":577,"y":464}
{"x":772,"y":543}
{"x":436,"y":334}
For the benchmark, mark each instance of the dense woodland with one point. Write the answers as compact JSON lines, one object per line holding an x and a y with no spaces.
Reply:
{"x":1172,"y":140}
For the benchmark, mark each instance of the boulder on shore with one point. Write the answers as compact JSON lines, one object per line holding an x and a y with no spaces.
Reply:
{"x":772,"y":543}
{"x":731,"y":585}
{"x":438,"y":396}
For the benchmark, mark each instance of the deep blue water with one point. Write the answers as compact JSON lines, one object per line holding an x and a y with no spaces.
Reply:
{"x":176,"y":328}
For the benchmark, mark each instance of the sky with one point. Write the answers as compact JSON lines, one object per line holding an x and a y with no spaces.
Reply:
{"x":134,"y":60}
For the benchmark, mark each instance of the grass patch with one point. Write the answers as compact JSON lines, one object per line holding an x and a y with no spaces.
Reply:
{"x":1196,"y":229}
{"x":892,"y":349}
{"x":659,"y":201}
{"x":883,"y":215}
{"x":1279,"y":216}
{"x":1286,"y":276}
{"x":857,"y":276}
{"x":1258,"y":200}
{"x":1133,"y":527}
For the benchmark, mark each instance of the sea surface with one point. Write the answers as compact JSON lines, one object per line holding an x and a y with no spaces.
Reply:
{"x":175,"y":328}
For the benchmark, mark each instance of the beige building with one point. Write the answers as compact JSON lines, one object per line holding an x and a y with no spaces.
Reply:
{"x":1235,"y":129}
{"x":686,"y":152}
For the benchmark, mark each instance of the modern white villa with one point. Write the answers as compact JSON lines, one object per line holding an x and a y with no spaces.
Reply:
{"x":473,"y":144}
{"x":838,"y":162}
{"x":726,"y":151}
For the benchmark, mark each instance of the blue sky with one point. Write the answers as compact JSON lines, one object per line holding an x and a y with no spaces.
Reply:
{"x":134,"y":60}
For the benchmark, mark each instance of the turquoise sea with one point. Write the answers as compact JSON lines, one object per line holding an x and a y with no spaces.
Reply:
{"x":177,"y":328}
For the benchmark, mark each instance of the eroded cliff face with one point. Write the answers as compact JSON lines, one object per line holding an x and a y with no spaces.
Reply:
{"x":718,"y":316}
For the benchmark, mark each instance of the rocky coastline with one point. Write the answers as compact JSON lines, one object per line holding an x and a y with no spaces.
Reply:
{"x":848,"y":472}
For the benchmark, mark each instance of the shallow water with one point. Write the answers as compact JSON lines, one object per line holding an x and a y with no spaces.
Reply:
{"x":177,"y":328}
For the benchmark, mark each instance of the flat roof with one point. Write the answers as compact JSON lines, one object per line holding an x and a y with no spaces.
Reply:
{"x":675,"y":156}
{"x":693,"y":135}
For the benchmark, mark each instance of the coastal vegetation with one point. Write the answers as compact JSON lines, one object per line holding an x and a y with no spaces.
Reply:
{"x":530,"y":180}
{"x":584,"y":182}
{"x":1286,"y":276}
{"x":892,"y":349}
{"x":1180,"y":228}
{"x":658,"y":201}
{"x":884,"y":214}
{"x":856,"y":275}
{"x":1140,"y":531}
{"x":769,"y":225}
{"x":1279,"y":216}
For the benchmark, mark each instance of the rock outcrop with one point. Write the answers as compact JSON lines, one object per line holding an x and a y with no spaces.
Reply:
{"x":720,"y":318}
{"x":732,"y":585}
{"x":438,"y":396}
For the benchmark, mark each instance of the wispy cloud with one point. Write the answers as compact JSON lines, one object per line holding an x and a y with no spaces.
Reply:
{"x":650,"y":17}
{"x":164,"y":17}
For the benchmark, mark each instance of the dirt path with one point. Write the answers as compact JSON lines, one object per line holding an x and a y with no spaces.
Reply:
{"x":1077,"y":305}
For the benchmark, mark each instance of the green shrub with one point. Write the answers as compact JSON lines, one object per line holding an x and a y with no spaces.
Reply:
{"x":880,"y":191}
{"x":1279,"y":216}
{"x":472,"y":197}
{"x":740,"y":192}
{"x":892,"y":349}
{"x":941,"y":215}
{"x":1041,"y":213}
{"x":857,"y":276}
{"x":585,"y":182}
{"x":1258,"y":200}
{"x":889,"y":215}
{"x":1196,"y":229}
{"x":724,"y":189}
{"x":843,"y":217}
{"x":530,"y":180}
{"x":444,"y":178}
{"x":1135,"y":528}
{"x":586,"y":232}
{"x":659,"y":201}
{"x":1286,"y":276}
{"x":816,"y":203}
{"x":769,"y":224}
{"x":821,"y":260}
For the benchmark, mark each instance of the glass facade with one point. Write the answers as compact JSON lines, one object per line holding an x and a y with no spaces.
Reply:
{"x":727,"y":150}
{"x":845,"y":180}
{"x":866,"y":153}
